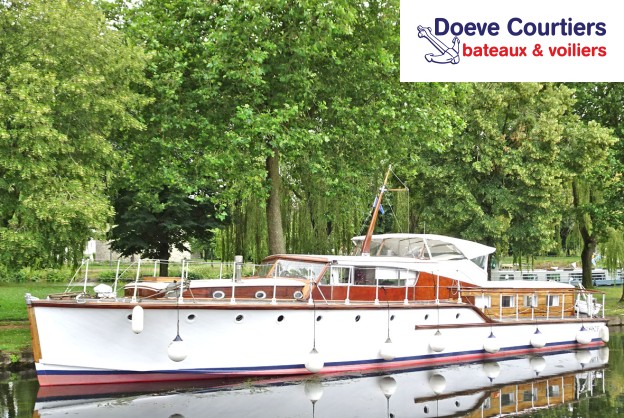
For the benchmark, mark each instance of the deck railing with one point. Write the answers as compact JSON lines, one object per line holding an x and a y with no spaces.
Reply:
{"x":500,"y":304}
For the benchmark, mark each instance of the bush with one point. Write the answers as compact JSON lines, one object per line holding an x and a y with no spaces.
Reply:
{"x":4,"y":274}
{"x":106,"y":276}
{"x":28,"y":274}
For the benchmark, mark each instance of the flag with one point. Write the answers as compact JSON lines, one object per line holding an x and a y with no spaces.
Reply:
{"x":381,"y":209}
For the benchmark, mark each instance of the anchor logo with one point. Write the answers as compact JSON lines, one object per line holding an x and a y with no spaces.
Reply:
{"x":446,"y":54}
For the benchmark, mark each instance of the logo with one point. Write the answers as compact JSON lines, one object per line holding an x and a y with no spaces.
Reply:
{"x":446,"y":55}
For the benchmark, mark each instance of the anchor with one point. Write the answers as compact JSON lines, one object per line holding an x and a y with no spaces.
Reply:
{"x":446,"y":54}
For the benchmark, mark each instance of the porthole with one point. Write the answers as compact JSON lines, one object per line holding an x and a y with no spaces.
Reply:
{"x":318,"y":318}
{"x":260,"y":294}
{"x":239,"y":318}
{"x":218,"y":294}
{"x":426,"y":317}
{"x":191,"y":318}
{"x":392,"y":317}
{"x":298,"y":294}
{"x":426,"y":409}
{"x":457,"y":316}
{"x":130,"y":317}
{"x":457,"y":404}
{"x":357,"y":318}
{"x":280,"y":318}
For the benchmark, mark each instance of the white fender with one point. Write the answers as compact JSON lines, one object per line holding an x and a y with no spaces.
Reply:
{"x":583,"y":336}
{"x":137,"y":319}
{"x":491,"y":344}
{"x":538,"y":340}
{"x":388,"y":350}
{"x":315,"y":362}
{"x":177,"y":349}
{"x":438,"y":342}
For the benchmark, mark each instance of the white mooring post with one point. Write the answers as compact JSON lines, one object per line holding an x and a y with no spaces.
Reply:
{"x":86,"y":276}
{"x":238,"y":268}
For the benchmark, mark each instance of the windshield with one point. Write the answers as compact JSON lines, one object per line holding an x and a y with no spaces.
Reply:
{"x":297,"y":269}
{"x":413,"y":247}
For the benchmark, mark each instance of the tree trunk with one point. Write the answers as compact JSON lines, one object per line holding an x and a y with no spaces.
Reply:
{"x":164,"y":253}
{"x":239,"y":228}
{"x":589,"y":240}
{"x":589,"y":247}
{"x":273,"y":209}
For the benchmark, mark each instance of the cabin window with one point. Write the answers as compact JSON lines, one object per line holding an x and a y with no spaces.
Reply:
{"x":529,"y":276}
{"x":481,"y":262}
{"x":530,"y":301}
{"x":298,"y":269}
{"x":508,"y":399}
{"x":508,"y":301}
{"x":553,"y":300}
{"x":326,"y":279}
{"x":364,"y":276}
{"x":530,"y":395}
{"x":553,"y":277}
{"x":483,"y":302}
{"x":387,"y":276}
{"x":337,"y":275}
{"x":554,"y":391}
{"x":441,"y":250}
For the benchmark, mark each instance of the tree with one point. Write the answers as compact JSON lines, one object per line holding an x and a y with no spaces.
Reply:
{"x":598,"y":183}
{"x":500,"y":180}
{"x":286,"y":105}
{"x":66,"y":85}
{"x":151,"y":223}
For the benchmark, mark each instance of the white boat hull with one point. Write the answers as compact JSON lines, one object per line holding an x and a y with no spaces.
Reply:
{"x":95,"y":343}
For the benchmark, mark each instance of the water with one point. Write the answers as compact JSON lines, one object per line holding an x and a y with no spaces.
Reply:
{"x":587,"y":383}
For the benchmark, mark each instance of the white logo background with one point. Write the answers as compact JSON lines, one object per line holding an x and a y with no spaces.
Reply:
{"x":414,"y":66}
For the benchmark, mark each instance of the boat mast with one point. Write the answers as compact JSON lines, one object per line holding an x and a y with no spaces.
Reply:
{"x":371,"y":227}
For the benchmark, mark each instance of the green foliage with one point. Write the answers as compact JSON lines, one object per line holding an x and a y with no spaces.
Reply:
{"x":612,"y":250}
{"x":313,"y":86}
{"x":65,"y":85}
{"x":29,"y":275}
{"x":150,"y":224}
{"x":106,"y":276}
{"x":501,"y":180}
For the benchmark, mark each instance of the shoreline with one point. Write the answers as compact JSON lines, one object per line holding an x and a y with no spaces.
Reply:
{"x":17,"y":362}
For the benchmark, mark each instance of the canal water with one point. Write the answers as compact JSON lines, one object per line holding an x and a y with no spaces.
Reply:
{"x":571,"y":384}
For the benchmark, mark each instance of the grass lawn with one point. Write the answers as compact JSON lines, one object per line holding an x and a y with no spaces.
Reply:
{"x":12,"y":303}
{"x":613,"y":305}
{"x":14,"y":331}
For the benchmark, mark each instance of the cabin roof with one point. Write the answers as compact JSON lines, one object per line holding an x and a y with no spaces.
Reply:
{"x":470,"y":249}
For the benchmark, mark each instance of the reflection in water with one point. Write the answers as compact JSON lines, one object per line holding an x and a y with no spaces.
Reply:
{"x":477,"y":389}
{"x":563,"y":382}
